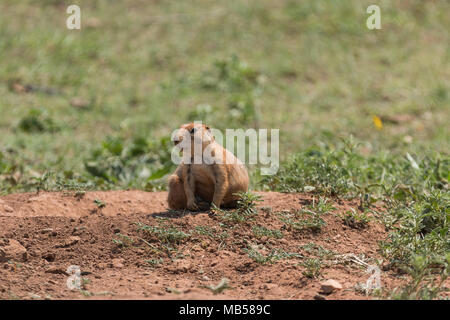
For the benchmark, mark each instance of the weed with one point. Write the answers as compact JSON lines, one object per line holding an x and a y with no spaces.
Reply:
{"x":210,"y":232}
{"x":424,"y":285}
{"x":313,"y":221}
{"x":273,"y":256}
{"x":123,"y":241}
{"x":355,"y":219}
{"x":165,"y":233}
{"x":155,"y":262}
{"x":139,"y":163}
{"x":37,"y":121}
{"x":246,"y":209}
{"x":313,"y":268}
{"x":319,"y":251}
{"x":261,"y":231}
{"x":100,"y":204}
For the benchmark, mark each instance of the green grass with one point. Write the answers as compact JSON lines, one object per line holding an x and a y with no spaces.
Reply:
{"x":273,"y":256}
{"x":261,"y":231}
{"x":245,"y":212}
{"x":300,"y":221}
{"x":93,"y":109}
{"x":164,"y":232}
{"x":141,"y":69}
{"x":414,"y":189}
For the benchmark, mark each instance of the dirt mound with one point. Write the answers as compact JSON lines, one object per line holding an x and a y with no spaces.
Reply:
{"x":128,"y":245}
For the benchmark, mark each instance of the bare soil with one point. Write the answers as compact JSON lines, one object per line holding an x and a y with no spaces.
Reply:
{"x":55,"y":230}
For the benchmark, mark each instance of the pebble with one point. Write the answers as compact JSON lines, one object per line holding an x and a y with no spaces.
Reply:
{"x":329,"y":286}
{"x":118,"y":262}
{"x":13,"y":250}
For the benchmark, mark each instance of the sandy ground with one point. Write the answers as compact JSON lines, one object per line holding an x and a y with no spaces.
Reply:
{"x":41,"y":235}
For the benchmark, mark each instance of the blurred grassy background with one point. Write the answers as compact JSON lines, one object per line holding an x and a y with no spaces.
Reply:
{"x":90,"y":104}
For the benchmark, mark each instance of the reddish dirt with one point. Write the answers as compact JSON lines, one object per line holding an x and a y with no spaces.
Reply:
{"x":62,"y":229}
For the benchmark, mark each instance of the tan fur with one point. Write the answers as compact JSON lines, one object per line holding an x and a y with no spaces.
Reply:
{"x":216,"y":183}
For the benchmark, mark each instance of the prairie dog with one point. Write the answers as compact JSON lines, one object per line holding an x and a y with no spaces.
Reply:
{"x":215,"y":178}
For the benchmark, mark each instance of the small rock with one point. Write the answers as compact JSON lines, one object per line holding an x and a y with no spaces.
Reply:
{"x":78,"y":230}
{"x":319,"y":297}
{"x":8,"y":208}
{"x":69,"y":242}
{"x":329,"y":286}
{"x":12,"y":250}
{"x":118,"y":262}
{"x":56,"y":270}
{"x":47,"y":230}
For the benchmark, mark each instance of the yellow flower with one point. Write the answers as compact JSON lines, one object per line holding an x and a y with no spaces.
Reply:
{"x":377,"y":122}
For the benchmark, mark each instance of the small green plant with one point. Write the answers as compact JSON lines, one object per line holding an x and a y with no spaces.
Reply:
{"x":100,"y":204}
{"x":321,"y":206}
{"x":313,"y":221}
{"x":210,"y":232}
{"x":123,"y":241}
{"x":38,"y":121}
{"x":273,"y":256}
{"x":43,"y":182}
{"x":355,"y":219}
{"x":246,"y":209}
{"x":165,"y":233}
{"x":313,"y":268}
{"x":424,"y":285}
{"x":318,"y":251}
{"x":260,"y":231}
{"x":80,"y":194}
{"x":155,"y":262}
{"x":257,"y":256}
{"x":139,"y":163}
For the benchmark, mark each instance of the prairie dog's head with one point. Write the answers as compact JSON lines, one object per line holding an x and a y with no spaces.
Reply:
{"x":196,"y":132}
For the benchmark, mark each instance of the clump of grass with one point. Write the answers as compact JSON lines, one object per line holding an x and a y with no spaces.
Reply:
{"x":242,"y":85}
{"x":210,"y":232}
{"x":99,"y":203}
{"x":321,"y":206}
{"x":123,"y":241}
{"x":155,"y":262}
{"x":246,"y":209}
{"x":139,"y":163}
{"x":355,"y":219}
{"x":342,"y":170}
{"x":38,"y":121}
{"x":303,"y":220}
{"x":165,"y":233}
{"x":261,"y":231}
{"x":421,"y":229}
{"x":318,"y":251}
{"x":258,"y":257}
{"x":424,"y":285}
{"x":313,"y":268}
{"x":414,"y":190}
{"x":273,"y":256}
